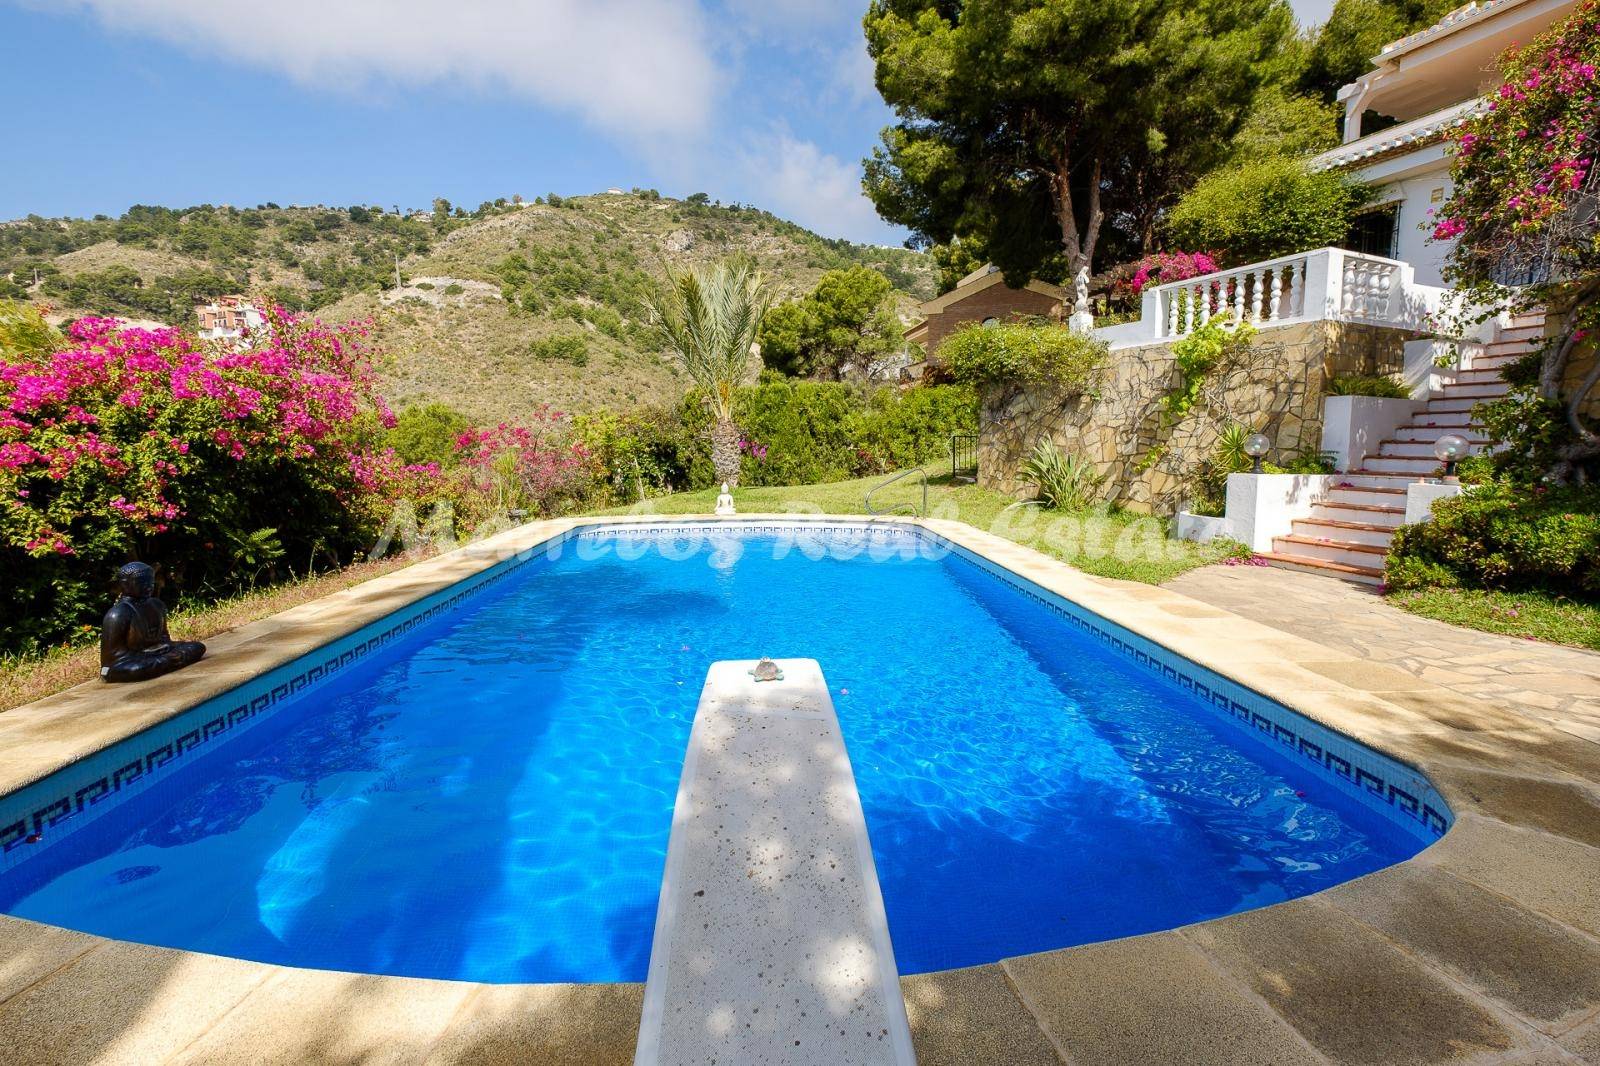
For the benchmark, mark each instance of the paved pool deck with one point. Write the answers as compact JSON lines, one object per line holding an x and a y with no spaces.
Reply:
{"x":1485,"y":948}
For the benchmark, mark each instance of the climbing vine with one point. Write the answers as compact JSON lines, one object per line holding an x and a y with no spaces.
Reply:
{"x":1195,"y":356}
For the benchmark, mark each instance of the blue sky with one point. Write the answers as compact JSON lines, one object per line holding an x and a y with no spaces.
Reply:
{"x":178,"y":102}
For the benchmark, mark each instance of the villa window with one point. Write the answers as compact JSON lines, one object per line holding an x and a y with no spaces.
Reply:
{"x":1374,"y":232}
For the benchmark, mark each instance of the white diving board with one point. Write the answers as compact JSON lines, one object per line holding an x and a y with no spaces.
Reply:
{"x":771,"y":944}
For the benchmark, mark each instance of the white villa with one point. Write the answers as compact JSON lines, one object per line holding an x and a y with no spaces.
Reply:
{"x":1423,"y":85}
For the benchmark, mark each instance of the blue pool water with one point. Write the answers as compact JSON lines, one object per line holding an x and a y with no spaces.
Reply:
{"x":490,"y":798}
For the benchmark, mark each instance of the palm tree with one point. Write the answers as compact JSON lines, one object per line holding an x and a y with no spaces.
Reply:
{"x":709,"y":316}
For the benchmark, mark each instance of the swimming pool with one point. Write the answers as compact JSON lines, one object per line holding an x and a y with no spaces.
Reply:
{"x":485,"y":793}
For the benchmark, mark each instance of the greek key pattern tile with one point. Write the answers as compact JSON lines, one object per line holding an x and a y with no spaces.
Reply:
{"x":1383,"y":782}
{"x":44,"y":810}
{"x":38,"y":812}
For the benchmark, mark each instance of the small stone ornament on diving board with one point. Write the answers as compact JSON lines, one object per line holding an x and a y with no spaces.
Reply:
{"x":134,"y":642}
{"x":767,"y":670}
{"x":725,"y":501}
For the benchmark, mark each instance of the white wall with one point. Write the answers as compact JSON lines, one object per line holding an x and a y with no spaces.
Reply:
{"x":1353,"y":427}
{"x":1263,"y":506}
{"x":1417,"y":181}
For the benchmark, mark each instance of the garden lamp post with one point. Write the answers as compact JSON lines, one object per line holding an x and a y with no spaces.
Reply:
{"x":1450,"y":449}
{"x":1256,"y":445}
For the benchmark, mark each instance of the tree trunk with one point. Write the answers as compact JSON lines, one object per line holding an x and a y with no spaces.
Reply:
{"x":725,"y":451}
{"x":1078,"y":244}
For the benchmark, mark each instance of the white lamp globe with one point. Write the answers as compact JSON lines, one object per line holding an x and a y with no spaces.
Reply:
{"x":1451,"y":448}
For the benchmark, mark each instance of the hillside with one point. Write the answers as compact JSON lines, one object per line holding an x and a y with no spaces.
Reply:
{"x":498,"y":310}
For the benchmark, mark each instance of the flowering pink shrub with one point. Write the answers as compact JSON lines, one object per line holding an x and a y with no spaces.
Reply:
{"x":1164,"y":267}
{"x":534,"y":468}
{"x":1524,"y":162}
{"x":133,"y":443}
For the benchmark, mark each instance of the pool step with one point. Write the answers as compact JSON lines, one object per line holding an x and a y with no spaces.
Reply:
{"x":771,"y":943}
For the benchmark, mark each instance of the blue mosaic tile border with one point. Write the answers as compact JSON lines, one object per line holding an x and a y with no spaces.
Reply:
{"x":842,"y":532}
{"x":1383,"y":784}
{"x":74,"y":796}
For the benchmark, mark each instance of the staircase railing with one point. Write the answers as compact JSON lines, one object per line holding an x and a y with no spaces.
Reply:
{"x":899,"y":508}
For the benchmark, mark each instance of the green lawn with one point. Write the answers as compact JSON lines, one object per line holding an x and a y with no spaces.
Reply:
{"x":1108,"y":543}
{"x":1537,"y":615}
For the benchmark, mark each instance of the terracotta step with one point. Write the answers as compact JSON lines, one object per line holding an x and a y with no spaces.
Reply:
{"x":1451,"y":420}
{"x":1393,"y":480}
{"x":1365,"y":575}
{"x":1476,"y":375}
{"x":1418,"y":449}
{"x":1339,"y":531}
{"x":1429,"y":434}
{"x":1331,"y":551}
{"x":1369,"y":495}
{"x":1452,"y":405}
{"x":1486,"y":390}
{"x":1413,"y":465}
{"x":1369,"y":514}
{"x":1524,"y":334}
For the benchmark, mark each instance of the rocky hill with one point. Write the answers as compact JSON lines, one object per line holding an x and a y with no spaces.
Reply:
{"x":497,"y":310}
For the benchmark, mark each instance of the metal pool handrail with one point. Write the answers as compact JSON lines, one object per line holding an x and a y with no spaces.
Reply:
{"x":917,"y":470}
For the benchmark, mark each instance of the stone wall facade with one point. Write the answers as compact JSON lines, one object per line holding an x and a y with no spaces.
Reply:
{"x":1275,"y":387}
{"x":997,"y":301}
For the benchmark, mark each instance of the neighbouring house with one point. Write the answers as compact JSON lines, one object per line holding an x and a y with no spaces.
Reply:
{"x":1378,"y":306}
{"x":227,"y":317}
{"x":983,"y":296}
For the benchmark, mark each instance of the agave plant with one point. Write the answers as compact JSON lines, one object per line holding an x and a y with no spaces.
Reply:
{"x":709,"y":316}
{"x":1063,"y":482}
{"x":1231,"y":458}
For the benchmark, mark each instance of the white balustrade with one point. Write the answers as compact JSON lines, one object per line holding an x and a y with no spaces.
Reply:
{"x":1325,"y":284}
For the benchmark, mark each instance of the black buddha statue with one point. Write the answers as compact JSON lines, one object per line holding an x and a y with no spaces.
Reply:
{"x":134,"y":643}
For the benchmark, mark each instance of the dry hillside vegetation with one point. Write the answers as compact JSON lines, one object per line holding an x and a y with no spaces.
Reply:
{"x":511,"y":306}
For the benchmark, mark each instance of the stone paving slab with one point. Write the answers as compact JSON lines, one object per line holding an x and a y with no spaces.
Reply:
{"x":771,"y":944}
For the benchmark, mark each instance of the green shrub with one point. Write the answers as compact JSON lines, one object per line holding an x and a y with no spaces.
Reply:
{"x":1062,"y":482}
{"x":428,"y":433}
{"x":794,"y":432}
{"x":454,"y":289}
{"x":1369,"y":385}
{"x":565,"y":347}
{"x":1263,"y":209}
{"x":1021,"y":354}
{"x":1505,"y":536}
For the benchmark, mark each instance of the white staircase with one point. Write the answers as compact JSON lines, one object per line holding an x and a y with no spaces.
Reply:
{"x":1348,"y":531}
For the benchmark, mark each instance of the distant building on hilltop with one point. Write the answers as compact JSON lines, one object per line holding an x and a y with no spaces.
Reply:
{"x":227,"y":317}
{"x":983,"y":296}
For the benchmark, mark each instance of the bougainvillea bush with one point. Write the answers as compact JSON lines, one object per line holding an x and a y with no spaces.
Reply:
{"x":535,"y":469}
{"x":1165,"y":267}
{"x":1523,"y":213}
{"x":223,"y":467}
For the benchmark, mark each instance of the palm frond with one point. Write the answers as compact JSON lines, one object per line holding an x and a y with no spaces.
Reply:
{"x":708,"y":316}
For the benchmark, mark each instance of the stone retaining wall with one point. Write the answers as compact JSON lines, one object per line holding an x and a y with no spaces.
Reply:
{"x":1276,"y":387}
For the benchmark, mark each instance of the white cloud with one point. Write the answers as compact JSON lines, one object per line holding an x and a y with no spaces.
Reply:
{"x":799,"y":181}
{"x":639,"y":68}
